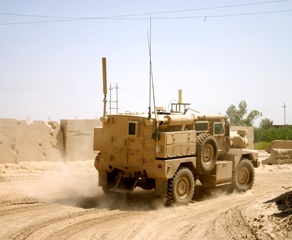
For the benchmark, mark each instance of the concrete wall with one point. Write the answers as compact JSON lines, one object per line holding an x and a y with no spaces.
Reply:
{"x":280,"y":152}
{"x":39,"y":141}
{"x":78,"y":138}
{"x":8,"y":136}
{"x":22,"y":141}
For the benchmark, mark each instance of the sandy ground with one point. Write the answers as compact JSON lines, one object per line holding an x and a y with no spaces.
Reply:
{"x":63,"y":201}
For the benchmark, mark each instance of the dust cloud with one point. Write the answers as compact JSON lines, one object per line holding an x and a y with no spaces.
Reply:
{"x":76,"y":184}
{"x":57,"y":182}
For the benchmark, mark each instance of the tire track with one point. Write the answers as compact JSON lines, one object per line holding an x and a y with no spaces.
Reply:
{"x":27,"y":231}
{"x":87,"y":223}
{"x":23,"y":207}
{"x":73,"y":222}
{"x":15,"y":201}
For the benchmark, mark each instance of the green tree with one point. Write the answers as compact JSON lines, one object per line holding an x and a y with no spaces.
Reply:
{"x":240,"y":117}
{"x":266,"y":123}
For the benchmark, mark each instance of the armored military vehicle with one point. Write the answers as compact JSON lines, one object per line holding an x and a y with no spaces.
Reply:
{"x":170,"y":151}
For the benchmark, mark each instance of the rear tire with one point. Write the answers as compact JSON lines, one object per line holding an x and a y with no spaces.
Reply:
{"x":181,"y":187}
{"x":289,"y":200}
{"x":111,"y":182}
{"x":243,"y":177}
{"x":207,"y":153}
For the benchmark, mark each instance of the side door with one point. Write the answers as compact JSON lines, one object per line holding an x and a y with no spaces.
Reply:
{"x":219,"y":134}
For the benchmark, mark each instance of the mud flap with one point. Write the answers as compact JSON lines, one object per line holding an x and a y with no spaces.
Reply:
{"x":102,"y":178}
{"x":161,"y":186}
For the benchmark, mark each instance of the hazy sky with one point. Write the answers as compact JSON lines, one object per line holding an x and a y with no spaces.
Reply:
{"x":217,"y":52}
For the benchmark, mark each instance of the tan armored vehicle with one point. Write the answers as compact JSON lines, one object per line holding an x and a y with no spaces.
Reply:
{"x":170,"y":151}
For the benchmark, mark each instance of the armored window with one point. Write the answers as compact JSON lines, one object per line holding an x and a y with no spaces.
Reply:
{"x":132,"y":128}
{"x":218,"y":129}
{"x":201,"y":126}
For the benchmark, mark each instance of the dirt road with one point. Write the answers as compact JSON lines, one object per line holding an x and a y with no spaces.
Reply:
{"x":63,"y":201}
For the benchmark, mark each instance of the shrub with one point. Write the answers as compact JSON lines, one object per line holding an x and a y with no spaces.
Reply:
{"x":261,"y":145}
{"x":272,"y":133}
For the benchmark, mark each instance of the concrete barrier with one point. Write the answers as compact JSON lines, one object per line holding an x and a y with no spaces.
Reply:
{"x":8,"y":136}
{"x":22,"y":141}
{"x":283,"y":144}
{"x":39,"y":140}
{"x":78,"y":138}
{"x":280,"y":152}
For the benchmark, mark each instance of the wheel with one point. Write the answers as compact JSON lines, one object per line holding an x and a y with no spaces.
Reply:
{"x":111,"y":182}
{"x":243,"y":177}
{"x":181,"y":186}
{"x":289,"y":200}
{"x":207,"y":153}
{"x":106,"y":191}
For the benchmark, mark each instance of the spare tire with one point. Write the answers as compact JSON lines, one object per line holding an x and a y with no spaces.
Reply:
{"x":207,"y":153}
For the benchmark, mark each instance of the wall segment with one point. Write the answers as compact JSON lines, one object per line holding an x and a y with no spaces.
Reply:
{"x":23,"y":141}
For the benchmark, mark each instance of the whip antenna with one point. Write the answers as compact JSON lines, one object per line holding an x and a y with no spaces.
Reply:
{"x":150,"y":73}
{"x":155,"y":134}
{"x":151,"y":81}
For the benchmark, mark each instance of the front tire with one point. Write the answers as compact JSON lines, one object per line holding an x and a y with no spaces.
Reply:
{"x":243,"y":177}
{"x":181,"y":186}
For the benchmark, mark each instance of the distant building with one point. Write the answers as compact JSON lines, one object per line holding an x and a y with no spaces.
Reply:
{"x":282,"y":126}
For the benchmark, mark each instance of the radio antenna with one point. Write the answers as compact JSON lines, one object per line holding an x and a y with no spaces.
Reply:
{"x":155,"y":134}
{"x":150,"y":71}
{"x":151,"y":81}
